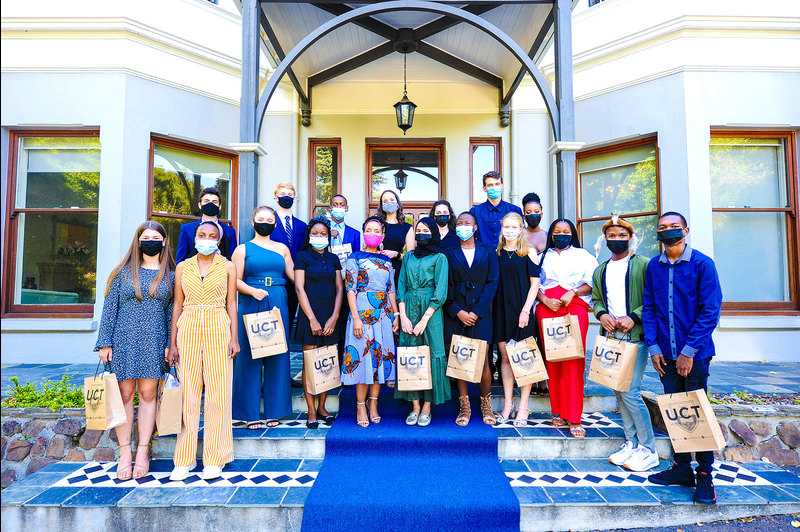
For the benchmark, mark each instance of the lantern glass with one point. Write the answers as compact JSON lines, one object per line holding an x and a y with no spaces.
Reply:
{"x":405,"y":113}
{"x":400,"y":178}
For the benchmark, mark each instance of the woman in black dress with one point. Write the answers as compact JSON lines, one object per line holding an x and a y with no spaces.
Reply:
{"x":317,"y":278}
{"x":516,"y":293}
{"x":445,"y":219}
{"x":399,"y":233}
{"x":471,"y":288}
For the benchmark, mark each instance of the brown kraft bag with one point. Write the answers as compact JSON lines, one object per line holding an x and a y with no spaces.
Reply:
{"x":169,"y":406}
{"x":526,"y":361}
{"x":561,"y":337}
{"x":612,"y":364}
{"x":103,"y":402}
{"x":466,"y":358}
{"x":691,"y":422}
{"x":321,"y":369}
{"x":414,"y":368}
{"x":266,"y":333}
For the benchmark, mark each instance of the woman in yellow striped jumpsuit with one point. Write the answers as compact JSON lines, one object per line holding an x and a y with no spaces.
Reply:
{"x":203,"y":343}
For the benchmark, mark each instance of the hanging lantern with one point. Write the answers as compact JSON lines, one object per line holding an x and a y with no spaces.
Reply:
{"x":400,"y":177}
{"x":404,"y":109}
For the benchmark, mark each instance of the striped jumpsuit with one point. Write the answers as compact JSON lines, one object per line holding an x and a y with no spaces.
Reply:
{"x":204,"y":334}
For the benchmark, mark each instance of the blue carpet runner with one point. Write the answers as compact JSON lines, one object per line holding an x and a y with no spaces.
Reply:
{"x":392,"y":477}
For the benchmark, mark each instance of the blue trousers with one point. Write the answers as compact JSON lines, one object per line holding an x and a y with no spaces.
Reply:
{"x":697,"y":379}
{"x":635,"y":416}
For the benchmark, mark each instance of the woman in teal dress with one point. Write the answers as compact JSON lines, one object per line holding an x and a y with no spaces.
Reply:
{"x":421,"y":292}
{"x":260,"y":267}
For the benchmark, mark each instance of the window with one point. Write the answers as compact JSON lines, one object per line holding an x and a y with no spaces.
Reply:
{"x":324,"y":173}
{"x":620,"y":179}
{"x":754,"y":205}
{"x":484,"y":156}
{"x":51,"y":246}
{"x":179,"y":172}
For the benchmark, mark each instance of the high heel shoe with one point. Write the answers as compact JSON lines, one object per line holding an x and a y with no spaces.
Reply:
{"x":500,"y":418}
{"x":376,"y":419}
{"x":362,"y":422}
{"x":524,"y":421}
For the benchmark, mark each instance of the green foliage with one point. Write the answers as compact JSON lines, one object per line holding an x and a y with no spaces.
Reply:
{"x":325,"y":163}
{"x":712,"y":400}
{"x":53,"y":395}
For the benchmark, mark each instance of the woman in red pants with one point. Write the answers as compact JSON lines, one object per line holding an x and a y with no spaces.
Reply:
{"x":566,"y":288}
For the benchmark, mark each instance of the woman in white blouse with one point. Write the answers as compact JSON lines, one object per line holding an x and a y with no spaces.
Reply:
{"x":566,"y":288}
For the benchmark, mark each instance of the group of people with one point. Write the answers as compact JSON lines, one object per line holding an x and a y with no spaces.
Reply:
{"x":490,"y":273}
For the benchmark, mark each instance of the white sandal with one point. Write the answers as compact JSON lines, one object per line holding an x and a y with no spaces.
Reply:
{"x":504,"y":419}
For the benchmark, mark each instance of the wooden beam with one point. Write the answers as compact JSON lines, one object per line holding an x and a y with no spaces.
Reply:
{"x":279,"y":51}
{"x":368,"y":23}
{"x":537,"y":43}
{"x":351,"y":64}
{"x":459,"y":64}
{"x":363,"y":2}
{"x":443,"y":23}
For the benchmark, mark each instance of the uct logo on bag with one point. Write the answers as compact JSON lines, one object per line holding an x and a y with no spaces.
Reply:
{"x":608,"y":358}
{"x":265,"y":330}
{"x":325,"y":365}
{"x":558,"y":334}
{"x":524,"y":359}
{"x":93,"y":398}
{"x":463,"y":353}
{"x":412,"y":364}
{"x":684,"y":418}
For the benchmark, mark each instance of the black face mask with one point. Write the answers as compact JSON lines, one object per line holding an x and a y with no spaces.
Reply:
{"x":442,"y":219}
{"x":617,"y":246}
{"x":263,"y":228}
{"x":561,"y":241}
{"x":151,"y":248}
{"x":286,"y":202}
{"x":670,"y":237}
{"x":210,"y":209}
{"x":533,"y":219}
{"x":423,"y":240}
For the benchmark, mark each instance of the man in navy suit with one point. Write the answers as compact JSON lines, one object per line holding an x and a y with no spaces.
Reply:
{"x":290,"y":231}
{"x":209,"y":205}
{"x":343,"y":234}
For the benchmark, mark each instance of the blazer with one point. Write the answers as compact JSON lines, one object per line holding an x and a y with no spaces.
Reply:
{"x":352,"y":236}
{"x":471,"y":289}
{"x":186,"y":240}
{"x":298,"y":235}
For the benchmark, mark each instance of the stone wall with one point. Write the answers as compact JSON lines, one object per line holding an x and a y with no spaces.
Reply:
{"x":752,"y":432}
{"x":35,"y":437}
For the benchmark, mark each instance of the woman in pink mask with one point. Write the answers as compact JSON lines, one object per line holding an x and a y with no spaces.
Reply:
{"x":369,"y":354}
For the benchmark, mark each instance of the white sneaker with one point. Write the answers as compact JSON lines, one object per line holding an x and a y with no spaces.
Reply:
{"x":180,"y":473}
{"x":210,"y":472}
{"x":642,"y":459}
{"x":626,"y":450}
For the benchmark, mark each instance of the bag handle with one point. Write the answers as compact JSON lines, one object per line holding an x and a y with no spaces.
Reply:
{"x":106,"y":367}
{"x":258,"y":306}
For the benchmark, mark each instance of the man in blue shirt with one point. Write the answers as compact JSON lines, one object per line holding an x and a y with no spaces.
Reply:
{"x":490,"y":213}
{"x":681,"y":306}
{"x":341,"y":234}
{"x":209,"y":205}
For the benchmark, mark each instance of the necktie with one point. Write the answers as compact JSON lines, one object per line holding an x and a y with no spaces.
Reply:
{"x":289,"y":231}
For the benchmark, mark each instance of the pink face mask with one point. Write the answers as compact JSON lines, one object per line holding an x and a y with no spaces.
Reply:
{"x":373,"y":240}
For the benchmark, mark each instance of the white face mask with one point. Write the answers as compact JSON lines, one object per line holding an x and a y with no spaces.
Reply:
{"x":511,"y":234}
{"x":318,"y":242}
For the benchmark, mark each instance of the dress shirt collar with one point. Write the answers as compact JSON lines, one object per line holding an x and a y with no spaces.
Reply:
{"x":686,"y":256}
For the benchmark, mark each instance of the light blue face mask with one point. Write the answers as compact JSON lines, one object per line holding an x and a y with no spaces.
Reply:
{"x":390,"y":206}
{"x":338,"y":213}
{"x":464,"y":232}
{"x":205,"y":247}
{"x":318,"y":242}
{"x":494,"y":192}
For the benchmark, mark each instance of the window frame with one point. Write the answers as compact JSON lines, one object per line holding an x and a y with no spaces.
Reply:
{"x":313,"y":143}
{"x":233,"y":194}
{"x":497,"y":142}
{"x":618,"y":146}
{"x":791,"y":307}
{"x":9,"y":309}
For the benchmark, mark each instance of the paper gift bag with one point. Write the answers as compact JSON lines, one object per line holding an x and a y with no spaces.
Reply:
{"x":266,"y":333}
{"x":527,"y":361}
{"x":690,"y":421}
{"x":169,"y":406}
{"x":613,"y":361}
{"x":414,"y":368}
{"x":104,"y":407}
{"x":466,"y":358}
{"x":342,"y":251}
{"x":562,"y":338}
{"x":321,"y":369}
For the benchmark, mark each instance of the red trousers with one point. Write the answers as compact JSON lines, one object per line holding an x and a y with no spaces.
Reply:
{"x":566,"y":378}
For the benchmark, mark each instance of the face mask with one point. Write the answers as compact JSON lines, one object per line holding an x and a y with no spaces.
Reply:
{"x":210,"y":209}
{"x":423,"y":240}
{"x":670,"y":237}
{"x":561,"y":241}
{"x":337,"y":213}
{"x":263,"y":228}
{"x":617,"y":246}
{"x":286,"y":202}
{"x":205,"y":247}
{"x":533,"y":219}
{"x":390,"y":206}
{"x":464,"y":232}
{"x":151,"y":248}
{"x":442,"y":219}
{"x":318,"y":242}
{"x":494,"y":192}
{"x":373,"y":240}
{"x":511,"y":234}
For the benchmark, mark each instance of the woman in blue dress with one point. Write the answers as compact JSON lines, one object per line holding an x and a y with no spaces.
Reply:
{"x":472,"y":284}
{"x":319,"y":286}
{"x":262,"y":266}
{"x":369,"y":356}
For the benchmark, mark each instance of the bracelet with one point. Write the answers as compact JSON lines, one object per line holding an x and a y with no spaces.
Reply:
{"x":526,"y":311}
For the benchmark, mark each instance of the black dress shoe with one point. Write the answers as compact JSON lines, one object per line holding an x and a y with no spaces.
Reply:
{"x":312,"y":424}
{"x":329,"y":419}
